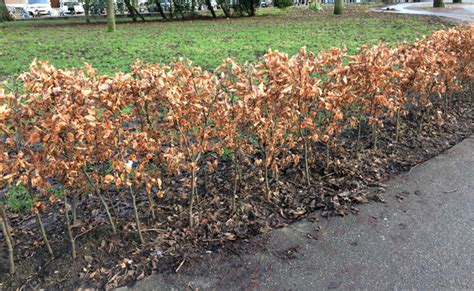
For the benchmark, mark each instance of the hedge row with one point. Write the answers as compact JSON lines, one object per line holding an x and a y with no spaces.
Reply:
{"x":66,"y":131}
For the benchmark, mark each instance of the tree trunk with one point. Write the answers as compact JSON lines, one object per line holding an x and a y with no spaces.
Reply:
{"x":178,"y":9}
{"x":160,"y":9}
{"x":171,"y":10}
{"x":438,"y":3}
{"x":87,"y":7}
{"x":4,"y":13}
{"x":251,"y":8}
{"x":209,"y":6}
{"x":110,"y":15}
{"x":132,"y":9}
{"x":338,"y":5}
{"x":226,"y":12}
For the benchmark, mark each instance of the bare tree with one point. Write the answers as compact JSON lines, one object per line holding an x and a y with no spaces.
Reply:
{"x":110,"y":15}
{"x":209,"y":6}
{"x":4,"y":13}
{"x":338,"y":5}
{"x":87,"y":7}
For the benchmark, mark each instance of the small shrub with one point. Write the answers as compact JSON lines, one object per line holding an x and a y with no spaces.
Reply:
{"x":18,"y":200}
{"x":315,"y":7}
{"x":283,"y":3}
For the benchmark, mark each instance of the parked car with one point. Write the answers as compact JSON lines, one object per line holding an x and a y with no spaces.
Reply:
{"x":19,"y":12}
{"x":71,"y":8}
{"x":96,"y":7}
{"x":33,"y":8}
{"x":11,"y":10}
{"x":38,"y":7}
{"x":153,"y":7}
{"x":264,"y":4}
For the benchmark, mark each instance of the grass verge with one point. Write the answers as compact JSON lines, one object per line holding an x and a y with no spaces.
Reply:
{"x":69,"y":43}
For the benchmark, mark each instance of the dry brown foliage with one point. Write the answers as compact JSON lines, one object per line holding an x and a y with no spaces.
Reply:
{"x":134,"y":133}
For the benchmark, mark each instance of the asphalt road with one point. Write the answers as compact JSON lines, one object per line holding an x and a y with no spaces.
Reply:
{"x":421,"y":238}
{"x":462,"y":13}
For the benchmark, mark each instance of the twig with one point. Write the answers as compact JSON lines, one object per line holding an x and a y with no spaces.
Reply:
{"x":64,"y":277}
{"x":411,"y":169}
{"x":212,"y":240}
{"x":84,"y":232}
{"x":180,"y":265}
{"x":450,"y":191}
{"x":113,"y":277}
{"x":153,"y":230}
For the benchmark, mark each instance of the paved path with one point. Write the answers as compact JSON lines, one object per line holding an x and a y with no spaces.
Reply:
{"x":423,"y":239}
{"x":458,"y":12}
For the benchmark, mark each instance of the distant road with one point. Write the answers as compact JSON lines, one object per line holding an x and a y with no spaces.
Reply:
{"x":458,"y":12}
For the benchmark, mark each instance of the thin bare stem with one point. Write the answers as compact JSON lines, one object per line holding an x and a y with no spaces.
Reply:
{"x":8,"y":228}
{"x":328,"y":155}
{"x":191,"y":198}
{"x":306,"y":164}
{"x":236,"y":184}
{"x":68,"y":225}
{"x":267,"y":184}
{"x":374,"y":135}
{"x":135,"y":210}
{"x":43,"y":233}
{"x":151,"y":205}
{"x":9,"y":245}
{"x":112,"y":205}
{"x":74,"y":209}
{"x":446,"y":100}
{"x":40,"y":221}
{"x":206,"y":180}
{"x":420,"y":121}
{"x":397,"y":134}
{"x":102,"y":200}
{"x":359,"y":133}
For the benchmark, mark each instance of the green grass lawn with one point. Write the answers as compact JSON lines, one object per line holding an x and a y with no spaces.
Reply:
{"x":66,"y":43}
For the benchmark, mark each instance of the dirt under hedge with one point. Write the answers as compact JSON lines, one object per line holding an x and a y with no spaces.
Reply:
{"x":106,"y":260}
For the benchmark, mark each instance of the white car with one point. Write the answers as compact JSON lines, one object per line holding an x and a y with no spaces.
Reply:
{"x":38,"y":7}
{"x":71,"y":8}
{"x":18,"y":12}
